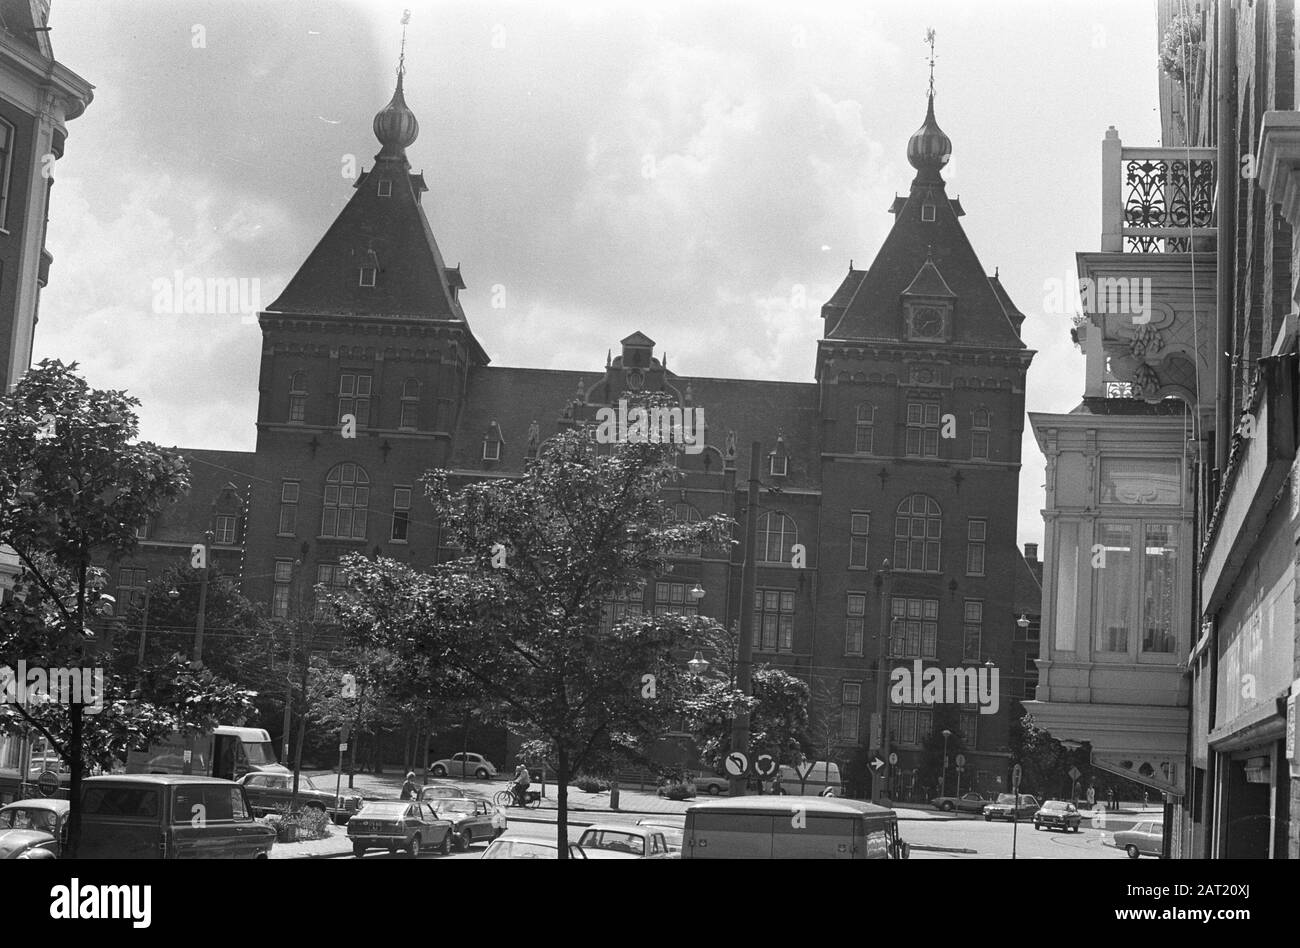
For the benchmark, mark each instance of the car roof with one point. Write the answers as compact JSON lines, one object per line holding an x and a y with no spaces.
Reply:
{"x":810,"y":804}
{"x":616,"y":827}
{"x":46,"y":802}
{"x":152,"y":779}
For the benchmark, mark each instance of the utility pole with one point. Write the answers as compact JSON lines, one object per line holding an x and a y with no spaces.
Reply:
{"x":203,"y":599}
{"x":745,"y":648}
{"x":879,"y":779}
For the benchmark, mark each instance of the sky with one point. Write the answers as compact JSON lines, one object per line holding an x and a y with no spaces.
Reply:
{"x":702,"y":172}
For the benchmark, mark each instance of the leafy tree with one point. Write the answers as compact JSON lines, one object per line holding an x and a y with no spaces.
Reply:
{"x":778,"y":720}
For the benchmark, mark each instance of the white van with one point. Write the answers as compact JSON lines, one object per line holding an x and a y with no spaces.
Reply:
{"x":823,"y":779}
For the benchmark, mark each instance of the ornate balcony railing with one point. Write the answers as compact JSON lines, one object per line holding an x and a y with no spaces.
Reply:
{"x":1156,"y":200}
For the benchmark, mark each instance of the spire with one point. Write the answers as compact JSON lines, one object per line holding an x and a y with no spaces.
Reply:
{"x":929,"y":149}
{"x":395,"y":125}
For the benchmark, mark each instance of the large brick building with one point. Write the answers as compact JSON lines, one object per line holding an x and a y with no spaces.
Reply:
{"x":906,"y":446}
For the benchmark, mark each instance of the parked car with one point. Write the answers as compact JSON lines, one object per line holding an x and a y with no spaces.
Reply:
{"x":464,"y":765}
{"x":767,"y":828}
{"x":1009,"y":806}
{"x":712,"y":784}
{"x":267,"y":791}
{"x":169,"y":816}
{"x":672,"y":831}
{"x":1144,"y":839}
{"x":33,"y":829}
{"x":638,"y":842}
{"x":398,"y":824}
{"x":1058,"y":814}
{"x":966,"y":803}
{"x":822,"y":779}
{"x":530,"y":849}
{"x":472,"y":821}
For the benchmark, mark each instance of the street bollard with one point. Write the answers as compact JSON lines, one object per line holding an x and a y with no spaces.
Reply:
{"x":613,"y":795}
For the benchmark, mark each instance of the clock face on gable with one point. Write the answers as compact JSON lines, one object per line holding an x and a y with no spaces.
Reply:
{"x":927,"y":322}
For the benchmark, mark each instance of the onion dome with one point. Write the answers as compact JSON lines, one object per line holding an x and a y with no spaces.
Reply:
{"x":395,"y":125}
{"x":929,"y":149}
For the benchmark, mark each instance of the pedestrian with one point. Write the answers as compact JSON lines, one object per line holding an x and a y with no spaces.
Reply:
{"x":408,"y":786}
{"x":1114,"y":798}
{"x":1146,"y":798}
{"x":1092,"y":796}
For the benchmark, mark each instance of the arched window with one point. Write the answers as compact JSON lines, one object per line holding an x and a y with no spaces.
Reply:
{"x":298,"y":398}
{"x":685,"y":513}
{"x":347,"y":495}
{"x":776,"y":534}
{"x":865,"y":433}
{"x":918,"y":532}
{"x":410,"y":404}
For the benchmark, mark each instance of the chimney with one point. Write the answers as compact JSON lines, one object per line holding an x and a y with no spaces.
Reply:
{"x":1031,"y":552}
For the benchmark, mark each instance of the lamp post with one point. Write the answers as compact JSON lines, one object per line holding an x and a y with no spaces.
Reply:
{"x":748,"y":580}
{"x":203,"y":599}
{"x":943,"y":779}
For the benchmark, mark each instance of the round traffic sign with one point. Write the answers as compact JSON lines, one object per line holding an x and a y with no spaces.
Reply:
{"x":961,"y":760}
{"x":893,"y":759}
{"x":48,"y":783}
{"x":764,"y":765}
{"x":736,"y":764}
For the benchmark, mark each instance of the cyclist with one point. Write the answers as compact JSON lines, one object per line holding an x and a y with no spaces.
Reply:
{"x":519,"y":783}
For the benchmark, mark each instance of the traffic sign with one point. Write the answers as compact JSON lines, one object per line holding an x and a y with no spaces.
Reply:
{"x":736,"y":764}
{"x":764,"y":765}
{"x":961,"y":760}
{"x":1015,"y":777}
{"x":803,"y":774}
{"x":893,"y":759}
{"x":47,"y":783}
{"x":1075,"y":773}
{"x":343,"y":747}
{"x":876,"y":763}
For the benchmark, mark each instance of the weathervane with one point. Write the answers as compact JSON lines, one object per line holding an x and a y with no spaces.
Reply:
{"x":401,"y":60}
{"x":930,"y":38}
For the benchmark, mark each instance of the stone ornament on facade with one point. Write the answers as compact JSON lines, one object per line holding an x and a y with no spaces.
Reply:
{"x":1146,"y":341}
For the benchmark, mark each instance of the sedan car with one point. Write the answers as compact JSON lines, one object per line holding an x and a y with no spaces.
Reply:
{"x":673,"y":832}
{"x":1010,"y":806}
{"x":472,"y":821}
{"x":398,"y":824}
{"x":268,"y":791}
{"x":464,"y":765}
{"x":1144,"y":839}
{"x":623,"y":841}
{"x":529,"y":849}
{"x":1058,"y":814}
{"x":966,"y":803}
{"x":33,"y":829}
{"x":712,"y":784}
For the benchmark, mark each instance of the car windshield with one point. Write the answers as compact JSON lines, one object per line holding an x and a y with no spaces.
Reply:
{"x":259,"y":754}
{"x":1011,"y":798}
{"x":456,"y":806}
{"x":443,"y":792}
{"x":611,"y":839}
{"x":384,"y":810}
{"x":28,"y":818}
{"x":1056,"y":805}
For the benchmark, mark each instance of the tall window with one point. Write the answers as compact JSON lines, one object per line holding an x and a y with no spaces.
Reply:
{"x":225,"y":531}
{"x":923,"y":429}
{"x":618,"y":607}
{"x":298,"y":398}
{"x":410,"y":404}
{"x":401,"y":514}
{"x":972,"y":630}
{"x":354,"y":397}
{"x":853,"y":624}
{"x":685,"y":513}
{"x":1116,"y":586}
{"x":773,"y":620}
{"x":918,"y":530}
{"x":968,"y":725}
{"x":1159,"y":574}
{"x":859,"y":529}
{"x":979,"y":435}
{"x":913,"y":628}
{"x":976,"y":531}
{"x":864,"y":437}
{"x":132,"y":581}
{"x":329,"y":575}
{"x":776,"y":535}
{"x":910,"y":725}
{"x":850,"y":711}
{"x":6,"y":168}
{"x":280,"y":594}
{"x":288,"y":508}
{"x":347,"y":495}
{"x":675,"y":598}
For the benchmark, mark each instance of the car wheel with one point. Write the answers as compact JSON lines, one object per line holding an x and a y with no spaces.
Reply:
{"x":482,"y":774}
{"x":414,"y":847}
{"x":358,"y":850}
{"x":444,"y":848}
{"x":987,"y":818}
{"x":464,"y":841}
{"x":714,"y":790}
{"x":1132,"y":851}
{"x":440,"y":771}
{"x":948,"y":807}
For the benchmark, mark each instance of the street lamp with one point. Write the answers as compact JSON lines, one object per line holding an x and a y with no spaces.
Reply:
{"x":697,"y":592}
{"x":1023,"y":622}
{"x":698,"y":665}
{"x":943,"y":780}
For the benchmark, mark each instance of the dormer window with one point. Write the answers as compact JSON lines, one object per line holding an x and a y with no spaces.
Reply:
{"x":491,"y":450}
{"x":367,"y":276}
{"x":927,"y":212}
{"x":385,"y":188}
{"x":778,"y":465}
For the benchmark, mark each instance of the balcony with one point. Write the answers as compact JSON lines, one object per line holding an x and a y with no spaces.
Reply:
{"x":1156,"y":200}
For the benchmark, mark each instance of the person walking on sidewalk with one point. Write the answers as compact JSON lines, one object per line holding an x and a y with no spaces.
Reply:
{"x":408,"y":786}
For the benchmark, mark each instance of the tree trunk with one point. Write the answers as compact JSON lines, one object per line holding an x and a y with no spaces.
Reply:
{"x":562,"y":801}
{"x":74,"y":786}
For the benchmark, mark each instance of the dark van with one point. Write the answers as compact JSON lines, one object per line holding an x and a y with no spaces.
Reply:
{"x":169,"y":816}
{"x":791,"y":827}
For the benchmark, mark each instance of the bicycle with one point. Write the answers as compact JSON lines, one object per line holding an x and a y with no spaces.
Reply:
{"x":507,"y":798}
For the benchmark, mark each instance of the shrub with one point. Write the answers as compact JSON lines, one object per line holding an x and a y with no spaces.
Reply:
{"x":311,"y":823}
{"x":679,"y":791}
{"x":591,"y":784}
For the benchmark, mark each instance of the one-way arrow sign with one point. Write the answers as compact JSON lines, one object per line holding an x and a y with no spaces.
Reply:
{"x":876,"y":763}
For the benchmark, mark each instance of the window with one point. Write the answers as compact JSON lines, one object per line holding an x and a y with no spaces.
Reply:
{"x":288,"y":508}
{"x":491,"y":450}
{"x":1159,"y":573}
{"x":918,"y":529}
{"x":927,"y":212}
{"x":132,"y":582}
{"x":773,"y":620}
{"x":972,"y":630}
{"x":401,"y":514}
{"x":685,"y":513}
{"x":923,"y":429}
{"x":675,"y":598}
{"x":329,"y":575}
{"x":979,"y":435}
{"x":298,"y":398}
{"x":1031,"y":665}
{"x":1030,"y":689}
{"x":976,"y":533}
{"x":1115,"y":585}
{"x":776,"y":535}
{"x":385,"y":188}
{"x":354,"y":397}
{"x":854,"y":623}
{"x":142,"y":531}
{"x":864,"y":435}
{"x":410,"y":404}
{"x":6,"y":168}
{"x":968,"y":726}
{"x":367,"y":277}
{"x":778,"y":465}
{"x":617,"y":608}
{"x":850,"y":711}
{"x":910,"y":725}
{"x":347,"y":496}
{"x":913,"y":628}
{"x":280,"y":594}
{"x":225,"y":532}
{"x":859,"y":528}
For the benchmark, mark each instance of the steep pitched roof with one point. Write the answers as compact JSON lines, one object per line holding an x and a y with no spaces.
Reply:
{"x":928,"y":282}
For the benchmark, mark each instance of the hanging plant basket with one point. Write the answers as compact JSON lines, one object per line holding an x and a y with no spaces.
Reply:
{"x":1182,"y":48}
